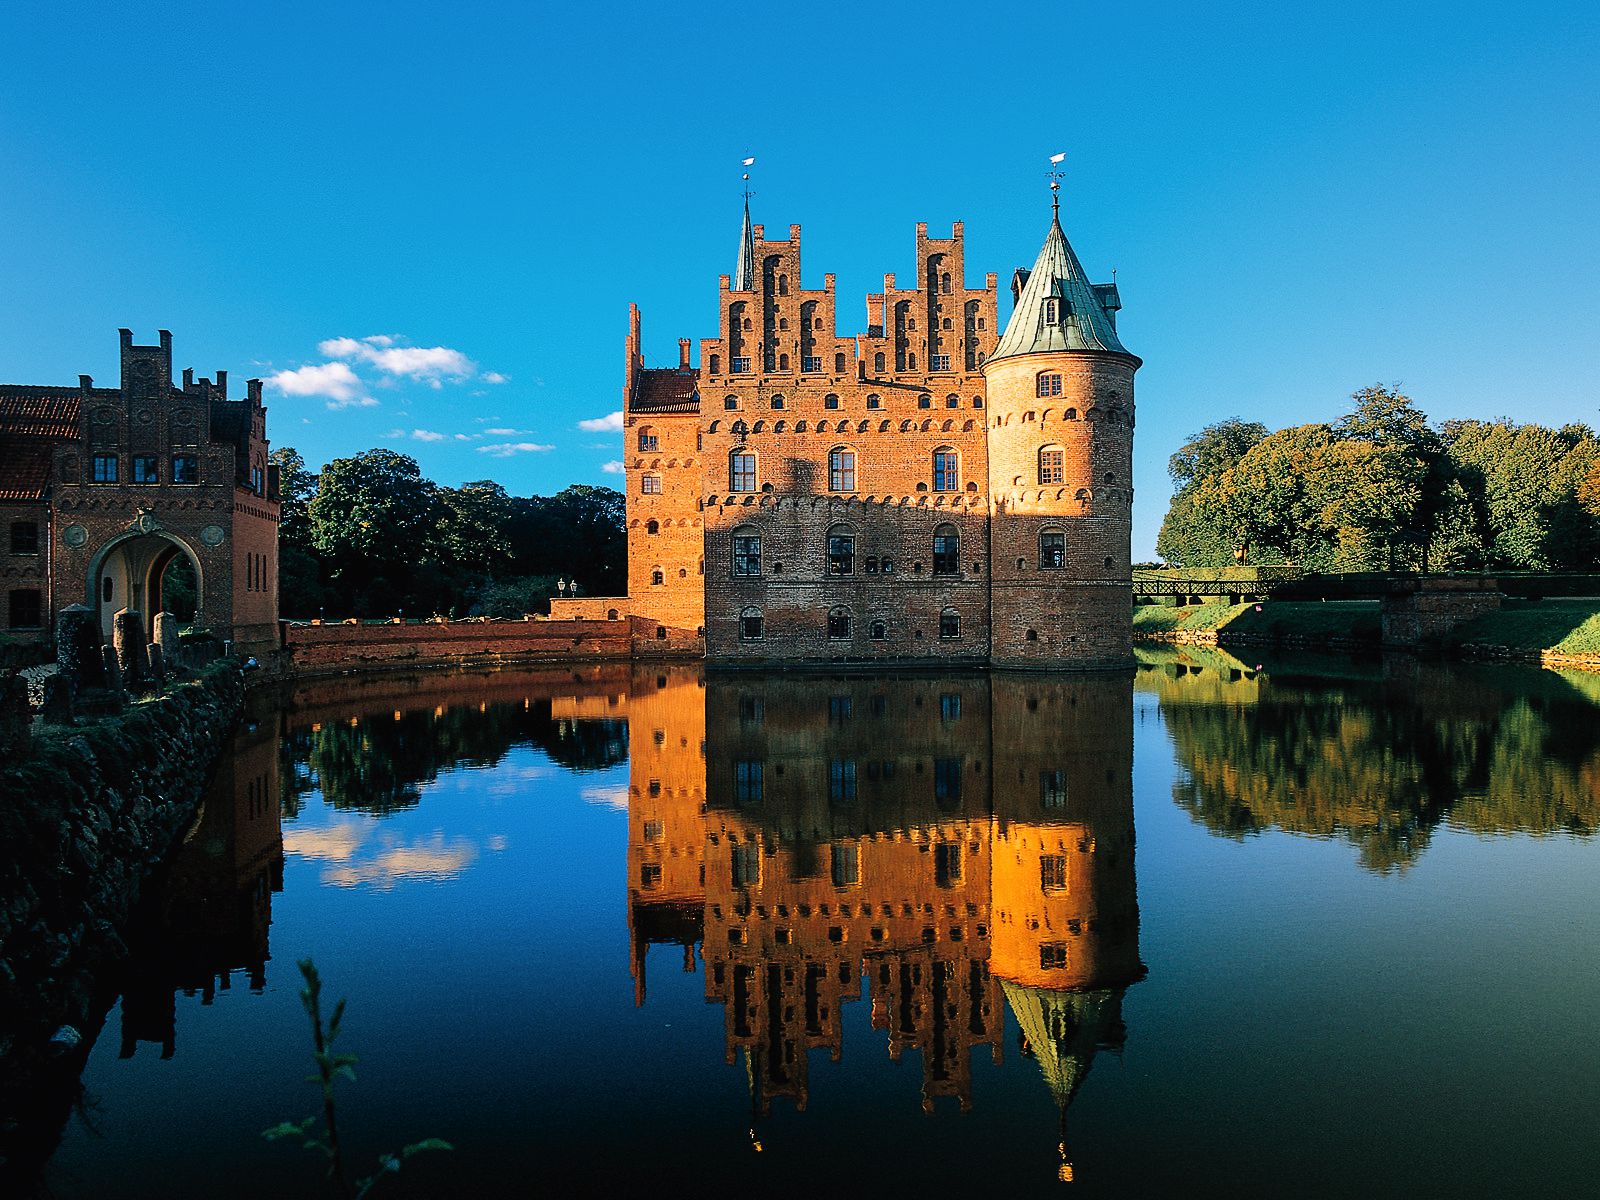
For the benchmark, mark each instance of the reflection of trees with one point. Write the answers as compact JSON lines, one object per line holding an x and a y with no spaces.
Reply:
{"x":1382,"y":762}
{"x":379,"y":762}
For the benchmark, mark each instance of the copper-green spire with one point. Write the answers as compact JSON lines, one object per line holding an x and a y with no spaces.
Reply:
{"x":744,"y":270}
{"x":1057,"y":308}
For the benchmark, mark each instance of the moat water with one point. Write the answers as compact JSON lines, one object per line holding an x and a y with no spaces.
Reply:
{"x":1293,"y":928}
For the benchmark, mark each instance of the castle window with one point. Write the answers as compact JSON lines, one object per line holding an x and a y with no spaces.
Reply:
{"x":783,"y":362}
{"x":732,"y":402}
{"x":946,"y":470}
{"x":846,"y":868}
{"x":649,"y":876}
{"x":1052,"y":956}
{"x":842,"y":781}
{"x":950,"y":625}
{"x":878,"y":631}
{"x":952,"y":401}
{"x":1052,"y":872}
{"x":657,"y":577}
{"x":841,"y":469}
{"x":947,"y":864}
{"x":938,"y":362}
{"x":982,"y":324}
{"x":105,"y":468}
{"x":872,"y":564}
{"x":741,"y":471}
{"x":740,"y":365}
{"x":24,"y":537}
{"x":950,"y":702}
{"x":144,"y":469}
{"x":1110,"y":478}
{"x":1109,"y":566}
{"x":650,"y":484}
{"x":946,"y":551}
{"x":841,"y":551}
{"x":1053,"y":789}
{"x":878,"y":362}
{"x":783,"y":285}
{"x":944,"y":283}
{"x":652,"y":527}
{"x":27,"y":609}
{"x":924,"y":401}
{"x":946,"y":323}
{"x":1052,"y":465}
{"x":888,"y":565}
{"x":977,"y":402}
{"x":185,"y":468}
{"x":838,"y":364}
{"x":777,"y":402}
{"x":1052,"y":550}
{"x":648,"y":440}
{"x":811,"y":363}
{"x":839,"y":624}
{"x":783,"y":323}
{"x":874,"y":402}
{"x":830,"y":401}
{"x":1052,"y":311}
{"x":751,"y":626}
{"x":716,"y":364}
{"x":746,"y":552}
{"x":947,"y":782}
{"x":746,"y":866}
{"x":748,"y":787}
{"x":1048,"y":383}
{"x":912,"y":360}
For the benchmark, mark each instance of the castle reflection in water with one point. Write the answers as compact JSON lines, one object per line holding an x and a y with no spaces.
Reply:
{"x":947,"y":847}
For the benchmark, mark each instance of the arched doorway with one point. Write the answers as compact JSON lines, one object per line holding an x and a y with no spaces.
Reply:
{"x":128,"y":572}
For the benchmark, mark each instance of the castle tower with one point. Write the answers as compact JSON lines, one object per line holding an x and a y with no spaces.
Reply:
{"x":1060,"y":389}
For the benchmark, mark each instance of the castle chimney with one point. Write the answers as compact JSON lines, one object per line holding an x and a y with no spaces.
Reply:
{"x":222,"y":383}
{"x":188,"y":378}
{"x":252,"y":389}
{"x":85,"y":382}
{"x":683,"y":354}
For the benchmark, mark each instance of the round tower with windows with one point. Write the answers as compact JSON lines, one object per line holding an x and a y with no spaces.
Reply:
{"x":1061,"y":415}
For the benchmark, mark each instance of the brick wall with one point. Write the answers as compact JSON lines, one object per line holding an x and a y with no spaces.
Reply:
{"x":314,"y":647}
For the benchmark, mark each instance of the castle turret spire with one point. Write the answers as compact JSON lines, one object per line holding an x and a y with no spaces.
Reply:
{"x":744,"y":270}
{"x":1057,"y":308}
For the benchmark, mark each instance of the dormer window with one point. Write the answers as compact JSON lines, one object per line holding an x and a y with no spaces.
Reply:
{"x":1052,"y":311}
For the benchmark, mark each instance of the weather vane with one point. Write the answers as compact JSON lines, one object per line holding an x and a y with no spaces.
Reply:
{"x":1054,"y":175}
{"x":748,"y":163}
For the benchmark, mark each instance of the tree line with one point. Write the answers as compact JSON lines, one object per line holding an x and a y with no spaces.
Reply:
{"x":1382,"y":489}
{"x":371,"y":536}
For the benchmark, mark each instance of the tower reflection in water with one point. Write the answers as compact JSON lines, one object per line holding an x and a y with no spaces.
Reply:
{"x":951,"y":847}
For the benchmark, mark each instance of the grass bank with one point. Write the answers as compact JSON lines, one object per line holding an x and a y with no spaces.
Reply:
{"x":1271,"y":620}
{"x":1562,"y":625}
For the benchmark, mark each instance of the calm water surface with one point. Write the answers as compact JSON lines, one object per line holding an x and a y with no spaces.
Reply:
{"x":626,"y":930}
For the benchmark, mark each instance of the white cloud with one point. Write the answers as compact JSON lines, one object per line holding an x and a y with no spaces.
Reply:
{"x":606,"y":424}
{"x":433,"y":365}
{"x":507,"y":449}
{"x":334,"y":380}
{"x":614,"y":467}
{"x":612,"y":796}
{"x":395,"y":433}
{"x":495,"y":377}
{"x":504,"y":432}
{"x":428,"y":435}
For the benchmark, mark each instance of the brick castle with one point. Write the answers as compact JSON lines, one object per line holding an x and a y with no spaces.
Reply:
{"x":933,"y":488}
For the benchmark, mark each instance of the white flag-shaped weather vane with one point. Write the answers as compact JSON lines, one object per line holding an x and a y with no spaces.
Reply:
{"x":1058,"y":159}
{"x":749,"y":162}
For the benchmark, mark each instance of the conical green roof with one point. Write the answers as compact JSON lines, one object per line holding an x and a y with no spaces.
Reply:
{"x":744,"y":268}
{"x":1083,"y":311}
{"x":1064,"y":1029}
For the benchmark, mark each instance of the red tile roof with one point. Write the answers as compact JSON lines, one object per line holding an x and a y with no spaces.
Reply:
{"x":666,"y":390}
{"x":32,"y":421}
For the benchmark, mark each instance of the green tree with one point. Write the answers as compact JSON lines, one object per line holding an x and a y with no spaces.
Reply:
{"x":473,"y":532}
{"x":1388,"y":420}
{"x":1524,"y":484}
{"x":296,"y":487}
{"x":1276,"y":496}
{"x":374,"y":519}
{"x":579,"y":533}
{"x":1192,"y":536}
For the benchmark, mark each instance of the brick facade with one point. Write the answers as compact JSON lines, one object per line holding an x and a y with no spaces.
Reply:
{"x":119,"y":481}
{"x":806,"y":496}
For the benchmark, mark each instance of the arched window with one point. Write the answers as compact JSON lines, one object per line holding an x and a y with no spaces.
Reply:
{"x":872,"y":564}
{"x":731,"y":403}
{"x":924,"y":401}
{"x":751,"y":626}
{"x":657,"y":577}
{"x":946,"y":470}
{"x":838,"y":364}
{"x":944,"y":283}
{"x":783,"y":285}
{"x":777,"y":402}
{"x":841,"y":550}
{"x":946,"y":551}
{"x":874,"y":401}
{"x":647,"y":439}
{"x":878,"y":631}
{"x":946,"y":323}
{"x":888,"y":565}
{"x":1048,"y":383}
{"x":841,"y":469}
{"x":1052,"y":465}
{"x":877,"y":362}
{"x":783,"y":323}
{"x":830,"y":401}
{"x":746,"y":551}
{"x":839,"y":624}
{"x":652,"y":527}
{"x":949,"y":624}
{"x":1052,"y":550}
{"x":783,"y":362}
{"x":716,"y":364}
{"x":741,"y":471}
{"x":650,"y":484}
{"x":1052,"y":311}
{"x":1110,"y":478}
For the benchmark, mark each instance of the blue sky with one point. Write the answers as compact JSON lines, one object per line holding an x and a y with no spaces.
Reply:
{"x":1299,"y":199}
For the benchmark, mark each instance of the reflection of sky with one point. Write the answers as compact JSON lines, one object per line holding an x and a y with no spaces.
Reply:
{"x":359,"y":853}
